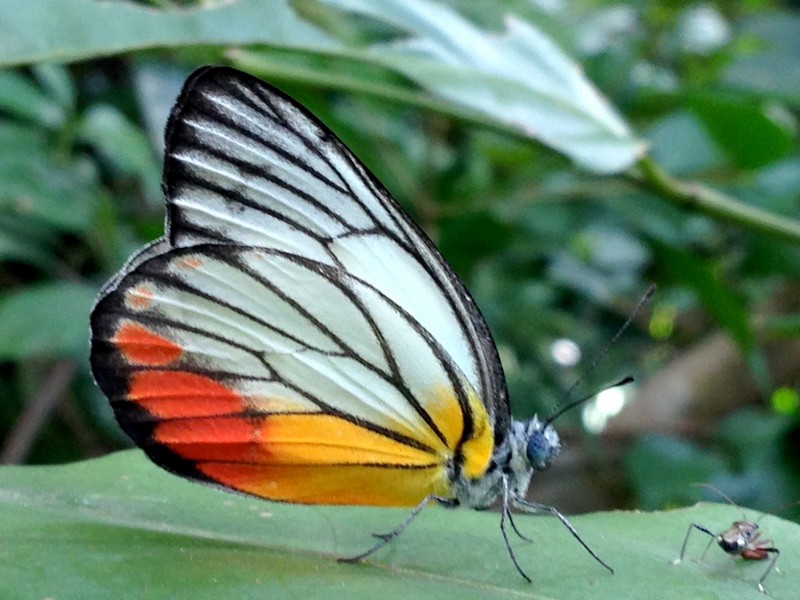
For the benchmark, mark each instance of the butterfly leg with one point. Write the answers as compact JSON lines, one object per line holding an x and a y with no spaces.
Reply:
{"x":771,"y":566}
{"x":516,"y":530}
{"x":535,"y":508}
{"x":506,"y":513}
{"x":385,"y":538}
{"x":686,"y":539}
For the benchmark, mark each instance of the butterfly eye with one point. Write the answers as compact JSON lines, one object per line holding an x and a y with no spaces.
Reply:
{"x":539,"y":450}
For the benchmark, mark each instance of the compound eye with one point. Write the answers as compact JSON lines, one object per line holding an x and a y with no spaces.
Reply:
{"x":538,"y":451}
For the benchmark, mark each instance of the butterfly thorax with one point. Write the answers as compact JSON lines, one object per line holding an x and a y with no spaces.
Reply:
{"x":529,"y":447}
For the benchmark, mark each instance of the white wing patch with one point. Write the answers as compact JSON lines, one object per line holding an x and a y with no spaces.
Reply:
{"x":246,"y":165}
{"x":330,"y":341}
{"x":405,"y":281}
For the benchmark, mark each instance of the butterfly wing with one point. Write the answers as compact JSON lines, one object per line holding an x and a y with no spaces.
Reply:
{"x":223,"y":365}
{"x":294,"y":336}
{"x":246,"y":164}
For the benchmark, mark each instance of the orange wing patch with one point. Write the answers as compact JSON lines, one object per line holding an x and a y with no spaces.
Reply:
{"x":353,"y":485}
{"x":327,"y":439}
{"x":306,"y":458}
{"x":142,"y":346}
{"x":180,"y":395}
{"x":288,"y":439}
{"x":226,"y":439}
{"x":283,"y":449}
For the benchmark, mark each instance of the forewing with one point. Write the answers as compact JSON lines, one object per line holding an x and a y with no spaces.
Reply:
{"x":284,"y":377}
{"x":245,"y":164}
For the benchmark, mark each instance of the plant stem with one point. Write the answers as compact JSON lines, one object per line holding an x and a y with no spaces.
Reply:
{"x":696,"y":196}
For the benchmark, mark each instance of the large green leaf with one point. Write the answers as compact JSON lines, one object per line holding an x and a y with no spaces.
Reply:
{"x":118,"y":527}
{"x":26,"y":241}
{"x":68,"y":30}
{"x":519,"y":78}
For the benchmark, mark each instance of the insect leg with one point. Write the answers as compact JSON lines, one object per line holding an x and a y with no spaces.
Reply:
{"x":506,"y":513}
{"x":686,"y":539}
{"x":771,"y":566}
{"x":535,"y":508}
{"x":385,"y":538}
{"x":516,"y":530}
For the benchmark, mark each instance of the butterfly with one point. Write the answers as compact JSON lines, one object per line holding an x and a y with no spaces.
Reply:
{"x":295,"y":336}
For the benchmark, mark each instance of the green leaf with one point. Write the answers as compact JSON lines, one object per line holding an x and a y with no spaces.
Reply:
{"x":41,"y":185}
{"x":47,"y":320}
{"x":21,"y":98}
{"x":746,"y":133}
{"x":681,"y":146}
{"x":755,"y":436}
{"x":120,"y":527}
{"x":57,"y":82}
{"x":519,"y":78}
{"x":26,"y":241}
{"x":780,"y":180}
{"x":70,"y":30}
{"x":122,"y":144}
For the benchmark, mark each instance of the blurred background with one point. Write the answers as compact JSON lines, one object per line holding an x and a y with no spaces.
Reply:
{"x":562,"y":155}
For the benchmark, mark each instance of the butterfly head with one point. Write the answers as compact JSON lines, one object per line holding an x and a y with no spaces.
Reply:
{"x":531,"y":446}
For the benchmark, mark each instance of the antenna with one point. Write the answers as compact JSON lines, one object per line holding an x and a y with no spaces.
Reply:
{"x":714,"y":488}
{"x":772,"y":511}
{"x":558,"y":411}
{"x":566,"y":407}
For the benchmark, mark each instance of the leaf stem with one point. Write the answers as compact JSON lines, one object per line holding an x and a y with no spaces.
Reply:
{"x":696,"y":196}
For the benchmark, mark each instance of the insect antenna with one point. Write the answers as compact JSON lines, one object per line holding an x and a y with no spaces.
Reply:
{"x":772,"y":511}
{"x":565,"y":405}
{"x":569,"y":406}
{"x":714,"y":488}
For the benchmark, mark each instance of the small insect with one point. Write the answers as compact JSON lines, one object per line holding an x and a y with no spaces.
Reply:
{"x":295,"y":336}
{"x":740,"y":539}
